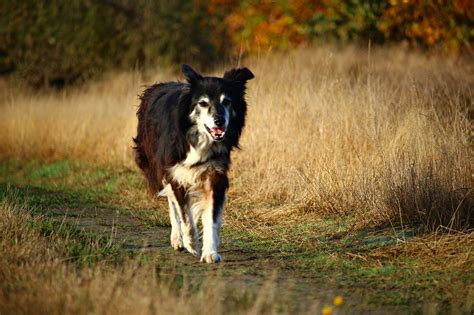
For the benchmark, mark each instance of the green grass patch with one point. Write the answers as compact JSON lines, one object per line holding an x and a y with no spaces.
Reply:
{"x":78,"y":246}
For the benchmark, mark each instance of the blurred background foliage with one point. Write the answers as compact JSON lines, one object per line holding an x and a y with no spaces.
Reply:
{"x":58,"y":42}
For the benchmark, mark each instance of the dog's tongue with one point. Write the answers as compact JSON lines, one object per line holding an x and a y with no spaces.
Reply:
{"x":217,"y":131}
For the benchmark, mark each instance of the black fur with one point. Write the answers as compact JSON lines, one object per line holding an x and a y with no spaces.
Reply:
{"x":207,"y":114}
{"x":165,"y":131}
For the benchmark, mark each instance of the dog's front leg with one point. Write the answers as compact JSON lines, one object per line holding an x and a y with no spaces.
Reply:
{"x":213,"y":204}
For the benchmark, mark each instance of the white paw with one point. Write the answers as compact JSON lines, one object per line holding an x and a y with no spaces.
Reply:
{"x":210,"y":257}
{"x":191,"y":245}
{"x":176,"y":242}
{"x":194,"y":252}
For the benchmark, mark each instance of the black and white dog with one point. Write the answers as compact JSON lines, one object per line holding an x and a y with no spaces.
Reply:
{"x":186,"y":132}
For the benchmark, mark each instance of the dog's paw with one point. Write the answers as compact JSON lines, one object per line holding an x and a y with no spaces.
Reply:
{"x":176,"y":242}
{"x":191,"y":245}
{"x":211,"y":257}
{"x":194,"y":252}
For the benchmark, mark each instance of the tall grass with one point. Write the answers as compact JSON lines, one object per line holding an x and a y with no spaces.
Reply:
{"x":382,"y":135}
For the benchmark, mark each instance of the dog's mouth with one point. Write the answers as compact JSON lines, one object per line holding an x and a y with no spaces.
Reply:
{"x":216,"y":132}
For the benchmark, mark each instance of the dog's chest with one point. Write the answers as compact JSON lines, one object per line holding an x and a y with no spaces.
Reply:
{"x":200,"y":159}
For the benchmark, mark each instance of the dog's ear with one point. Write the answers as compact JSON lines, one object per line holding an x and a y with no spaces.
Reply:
{"x":239,"y":75}
{"x":190,"y":75}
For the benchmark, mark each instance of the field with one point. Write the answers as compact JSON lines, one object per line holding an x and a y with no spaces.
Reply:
{"x":354,"y":180}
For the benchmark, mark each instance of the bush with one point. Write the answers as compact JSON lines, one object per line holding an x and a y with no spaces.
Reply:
{"x":448,"y":25}
{"x":59,"y":42}
{"x":261,"y":24}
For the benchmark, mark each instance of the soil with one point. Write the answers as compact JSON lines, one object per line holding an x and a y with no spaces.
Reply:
{"x":238,"y":268}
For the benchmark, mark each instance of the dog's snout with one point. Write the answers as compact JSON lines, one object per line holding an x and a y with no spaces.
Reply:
{"x":219,"y":121}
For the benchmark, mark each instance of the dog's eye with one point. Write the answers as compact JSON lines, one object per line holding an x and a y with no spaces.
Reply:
{"x":203,"y":104}
{"x":226,"y":102}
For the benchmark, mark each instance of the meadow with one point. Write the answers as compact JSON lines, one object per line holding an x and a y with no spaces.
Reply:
{"x":355,"y":168}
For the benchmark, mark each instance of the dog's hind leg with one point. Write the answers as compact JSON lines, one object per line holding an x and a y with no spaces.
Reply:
{"x":189,"y":234}
{"x":176,"y":233}
{"x":190,"y":231}
{"x":195,"y":210}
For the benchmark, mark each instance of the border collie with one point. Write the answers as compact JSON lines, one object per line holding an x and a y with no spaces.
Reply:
{"x":185,"y":134}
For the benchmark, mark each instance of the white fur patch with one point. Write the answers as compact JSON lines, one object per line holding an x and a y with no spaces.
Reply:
{"x":187,"y":173}
{"x":176,"y":236}
{"x":204,"y":98}
{"x":184,"y":233}
{"x":202,"y":117}
{"x":223,"y":97}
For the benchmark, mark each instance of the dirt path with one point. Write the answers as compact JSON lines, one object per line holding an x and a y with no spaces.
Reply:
{"x":239,"y":269}
{"x":133,"y":235}
{"x":298,"y":291}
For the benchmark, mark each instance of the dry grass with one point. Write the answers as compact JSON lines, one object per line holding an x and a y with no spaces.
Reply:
{"x":436,"y":251}
{"x":95,"y":123}
{"x":385,"y":135}
{"x":38,"y":277}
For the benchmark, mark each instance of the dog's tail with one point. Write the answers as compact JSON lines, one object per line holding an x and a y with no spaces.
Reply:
{"x":141,"y":158}
{"x":140,"y":155}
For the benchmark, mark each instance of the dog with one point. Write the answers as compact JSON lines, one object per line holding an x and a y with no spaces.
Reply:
{"x":186,"y":132}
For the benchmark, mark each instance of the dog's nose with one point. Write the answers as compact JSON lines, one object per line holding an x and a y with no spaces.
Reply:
{"x":219,"y":121}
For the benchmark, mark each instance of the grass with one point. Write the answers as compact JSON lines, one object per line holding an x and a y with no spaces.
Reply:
{"x":355,"y":168}
{"x":79,"y":247}
{"x":385,"y":266}
{"x":332,"y":132}
{"x":39,"y":274}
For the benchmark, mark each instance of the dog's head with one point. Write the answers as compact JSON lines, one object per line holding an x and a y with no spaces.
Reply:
{"x":215,"y":101}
